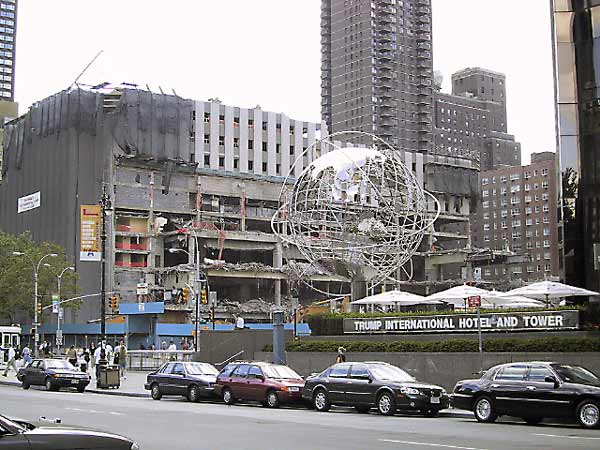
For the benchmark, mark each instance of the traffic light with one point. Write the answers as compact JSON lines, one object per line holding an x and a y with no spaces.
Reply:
{"x":39,"y":307}
{"x":204,"y":298}
{"x":113,"y":302}
{"x":212,"y":314}
{"x":185,"y":294}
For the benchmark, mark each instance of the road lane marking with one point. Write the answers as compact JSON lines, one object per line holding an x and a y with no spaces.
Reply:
{"x":428,"y":444}
{"x":568,"y":437}
{"x":93,"y":411}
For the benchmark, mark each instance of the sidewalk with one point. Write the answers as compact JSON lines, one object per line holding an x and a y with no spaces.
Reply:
{"x":133,"y":386}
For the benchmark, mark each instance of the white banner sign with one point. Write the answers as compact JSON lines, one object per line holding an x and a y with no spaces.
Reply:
{"x":29,"y":202}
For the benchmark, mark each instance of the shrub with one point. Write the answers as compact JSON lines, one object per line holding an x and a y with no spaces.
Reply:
{"x":548,"y":344}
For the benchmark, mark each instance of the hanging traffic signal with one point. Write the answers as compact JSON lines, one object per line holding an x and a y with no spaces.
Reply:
{"x":113,"y":302}
{"x":212,"y":315}
{"x":204,"y":298}
{"x":39,"y":307}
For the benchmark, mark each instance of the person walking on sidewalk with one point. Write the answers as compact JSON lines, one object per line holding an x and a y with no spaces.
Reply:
{"x":72,"y":356}
{"x":26,"y":353}
{"x":122,"y":352}
{"x":11,"y":360}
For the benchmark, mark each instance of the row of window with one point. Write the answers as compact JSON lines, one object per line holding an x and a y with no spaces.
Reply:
{"x":515,"y":201}
{"x":514,"y":176}
{"x":518,"y":270}
{"x":236,"y":144}
{"x":236,"y":164}
{"x":517,"y":223}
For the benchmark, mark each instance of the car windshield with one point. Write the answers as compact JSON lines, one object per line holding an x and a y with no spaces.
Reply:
{"x":280,"y":372}
{"x":390,"y":373}
{"x":201,"y":369}
{"x":59,"y":364}
{"x":576,"y":374}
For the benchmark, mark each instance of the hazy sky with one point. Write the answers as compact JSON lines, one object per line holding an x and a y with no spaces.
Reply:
{"x":267,"y":52}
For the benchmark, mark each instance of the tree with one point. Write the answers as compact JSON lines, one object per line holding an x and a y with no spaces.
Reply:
{"x":16,"y":277}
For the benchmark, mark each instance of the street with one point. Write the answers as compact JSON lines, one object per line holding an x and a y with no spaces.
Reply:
{"x":177,"y":424}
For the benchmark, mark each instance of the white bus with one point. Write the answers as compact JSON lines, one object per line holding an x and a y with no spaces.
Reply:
{"x":9,"y":335}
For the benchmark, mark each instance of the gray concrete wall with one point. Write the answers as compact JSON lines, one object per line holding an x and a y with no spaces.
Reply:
{"x":444,"y":369}
{"x":218,"y":346}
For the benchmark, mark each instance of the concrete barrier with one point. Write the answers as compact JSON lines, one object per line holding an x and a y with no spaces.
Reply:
{"x":444,"y":369}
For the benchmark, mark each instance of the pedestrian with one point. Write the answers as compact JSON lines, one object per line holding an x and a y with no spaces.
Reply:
{"x":72,"y":356}
{"x":122,"y":352}
{"x":142,"y":347}
{"x":26,"y":352}
{"x":11,"y":360}
{"x":341,"y":356}
{"x":87,"y":358}
{"x":163,"y":345}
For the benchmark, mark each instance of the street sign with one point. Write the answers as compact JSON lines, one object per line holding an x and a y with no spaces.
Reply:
{"x":142,"y":289}
{"x":59,"y":341}
{"x":59,"y":334}
{"x":61,"y":312}
{"x":212,"y":298}
{"x":474,"y":301}
{"x":55,"y":305}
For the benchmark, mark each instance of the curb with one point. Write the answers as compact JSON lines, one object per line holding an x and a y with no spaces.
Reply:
{"x":92,"y":391}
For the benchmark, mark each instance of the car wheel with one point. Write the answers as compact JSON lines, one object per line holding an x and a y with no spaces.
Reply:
{"x":25,"y":385}
{"x":321,"y":401}
{"x":193,"y":394}
{"x":272,"y":400}
{"x":155,"y":392}
{"x":49,"y":385}
{"x":431,"y":412}
{"x":386,"y":405}
{"x":80,"y":389}
{"x":484,"y":410}
{"x":228,"y":396}
{"x":362,"y":409}
{"x":588,"y":414}
{"x":532,"y":420}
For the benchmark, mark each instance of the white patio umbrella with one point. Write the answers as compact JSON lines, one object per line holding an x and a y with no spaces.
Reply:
{"x":546,"y":290}
{"x":497,"y":299}
{"x":394,"y":298}
{"x":458,"y":294}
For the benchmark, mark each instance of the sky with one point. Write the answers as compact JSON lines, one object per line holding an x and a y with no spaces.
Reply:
{"x":267,"y":52}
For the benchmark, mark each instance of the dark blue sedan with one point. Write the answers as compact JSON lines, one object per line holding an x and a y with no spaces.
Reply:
{"x":53,"y":374}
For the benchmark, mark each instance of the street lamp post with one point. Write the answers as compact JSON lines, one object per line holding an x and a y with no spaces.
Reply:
{"x":197,"y":284}
{"x":106,"y":207}
{"x":58,"y":282}
{"x":36,"y":269}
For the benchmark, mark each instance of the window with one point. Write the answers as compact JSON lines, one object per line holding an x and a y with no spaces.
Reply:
{"x":537,"y":244}
{"x":236,"y":163}
{"x":528,"y":199}
{"x":546,"y":219}
{"x":503,"y":179}
{"x":264,"y":146}
{"x":264,"y":167}
{"x":485,"y":193}
{"x":178,"y":369}
{"x":515,"y":200}
{"x":512,"y":373}
{"x":504,"y":225}
{"x":206,"y":117}
{"x":527,"y":175}
{"x":544,"y":185}
{"x":486,"y":204}
{"x":264,"y":126}
{"x":359,"y":371}
{"x":514,"y":177}
{"x":515,"y":212}
{"x":250,"y":144}
{"x":529,"y":246}
{"x":339,"y":371}
{"x":486,"y":216}
{"x":516,"y":223}
{"x":207,"y":160}
{"x":486,"y":227}
{"x":528,"y":210}
{"x":503,"y":202}
{"x":241,"y":370}
{"x":528,"y":233}
{"x":547,"y":268}
{"x":527,"y":187}
{"x":236,"y":143}
{"x":221,"y":161}
{"x":529,"y":222}
{"x":515,"y":188}
{"x":486,"y":238}
{"x":485,"y":181}
{"x":254,"y":372}
{"x":207,"y":138}
{"x":545,"y":196}
{"x":250,"y":165}
{"x":504,"y":213}
{"x":221,"y":140}
{"x":546,"y":244}
{"x":529,"y":269}
{"x":547,"y":256}
{"x":544,"y":172}
{"x":503,"y":191}
{"x":546,"y":231}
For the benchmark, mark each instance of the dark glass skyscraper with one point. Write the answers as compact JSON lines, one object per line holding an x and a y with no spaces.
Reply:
{"x":576,"y":25}
{"x":8,"y":37}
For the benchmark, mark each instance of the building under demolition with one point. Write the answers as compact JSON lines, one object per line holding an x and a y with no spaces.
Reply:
{"x":183,"y":173}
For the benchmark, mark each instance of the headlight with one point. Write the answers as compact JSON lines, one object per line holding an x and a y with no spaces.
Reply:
{"x":135,"y":446}
{"x":409,"y":391}
{"x":444,"y":392}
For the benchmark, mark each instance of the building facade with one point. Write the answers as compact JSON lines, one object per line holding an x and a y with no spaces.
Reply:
{"x":471,"y":122}
{"x":376,"y":72}
{"x":518,"y":216}
{"x":576,"y":45}
{"x":8,"y":40}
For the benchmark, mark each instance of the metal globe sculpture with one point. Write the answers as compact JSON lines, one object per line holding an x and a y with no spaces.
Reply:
{"x":358,"y":208}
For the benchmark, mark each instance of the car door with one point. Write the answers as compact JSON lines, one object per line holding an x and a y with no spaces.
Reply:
{"x":165,"y":379}
{"x":12,"y":441}
{"x":360,"y":389}
{"x":178,"y":381}
{"x":36,"y":372}
{"x":509,"y":389}
{"x":337,"y":383}
{"x":238,"y":385}
{"x":548,"y":399}
{"x":255,"y":384}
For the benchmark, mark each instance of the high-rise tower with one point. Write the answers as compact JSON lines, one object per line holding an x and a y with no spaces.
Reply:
{"x":8,"y":37}
{"x":376,"y":73}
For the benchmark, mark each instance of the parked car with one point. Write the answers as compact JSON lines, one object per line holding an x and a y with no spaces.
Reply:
{"x":54,"y":374}
{"x":21,"y":435}
{"x":366,"y":385}
{"x":270,"y":384}
{"x":193,"y":380}
{"x":533,"y":391}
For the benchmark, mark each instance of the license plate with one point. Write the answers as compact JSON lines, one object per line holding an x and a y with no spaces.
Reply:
{"x":435,"y":399}
{"x":74,"y":381}
{"x":294,"y":389}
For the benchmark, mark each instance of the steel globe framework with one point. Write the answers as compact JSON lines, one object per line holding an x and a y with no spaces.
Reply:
{"x":358,"y":207}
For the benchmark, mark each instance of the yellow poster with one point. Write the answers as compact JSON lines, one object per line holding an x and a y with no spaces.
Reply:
{"x":89,"y":236}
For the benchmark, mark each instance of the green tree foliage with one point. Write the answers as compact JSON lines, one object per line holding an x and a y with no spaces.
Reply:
{"x":16,"y":276}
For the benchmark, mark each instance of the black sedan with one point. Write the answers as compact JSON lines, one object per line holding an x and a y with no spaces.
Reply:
{"x":373,"y":384}
{"x":21,"y":435}
{"x":54,"y":374}
{"x":193,"y":380}
{"x":533,"y":391}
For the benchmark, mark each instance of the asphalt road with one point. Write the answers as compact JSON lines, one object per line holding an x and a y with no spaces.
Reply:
{"x":175,"y":424}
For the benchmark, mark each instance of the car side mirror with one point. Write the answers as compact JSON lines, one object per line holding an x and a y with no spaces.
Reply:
{"x":553,"y":380}
{"x":260,"y":377}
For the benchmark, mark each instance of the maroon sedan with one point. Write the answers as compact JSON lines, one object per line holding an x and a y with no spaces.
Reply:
{"x":270,"y":384}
